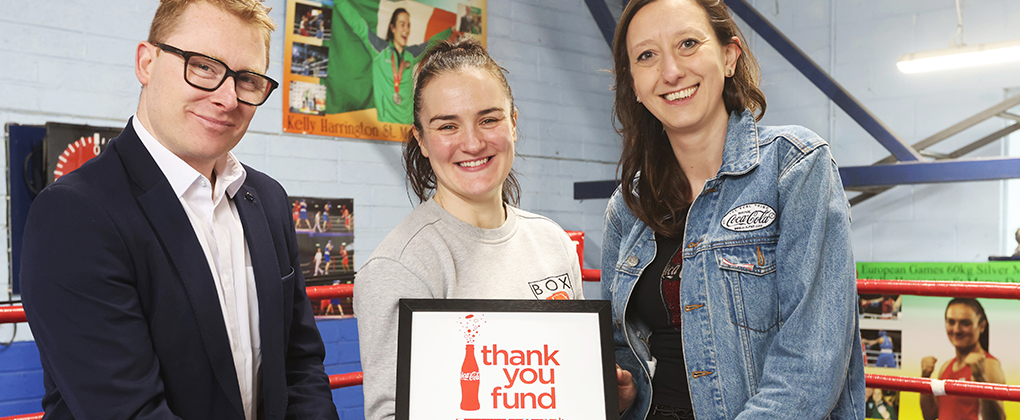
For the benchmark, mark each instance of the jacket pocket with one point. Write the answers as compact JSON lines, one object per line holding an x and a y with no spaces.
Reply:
{"x":750,"y":274}
{"x":287,"y":282}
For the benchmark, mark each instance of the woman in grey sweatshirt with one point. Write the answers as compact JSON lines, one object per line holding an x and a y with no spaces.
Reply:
{"x":466,"y":239}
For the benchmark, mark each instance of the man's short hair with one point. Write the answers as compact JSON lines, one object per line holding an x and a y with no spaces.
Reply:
{"x":168,"y":17}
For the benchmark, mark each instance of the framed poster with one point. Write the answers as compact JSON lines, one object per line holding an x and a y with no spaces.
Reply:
{"x":350,"y":66}
{"x":505,"y":359}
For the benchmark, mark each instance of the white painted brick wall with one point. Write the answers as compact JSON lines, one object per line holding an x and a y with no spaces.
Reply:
{"x":558,"y":64}
{"x":71,"y":61}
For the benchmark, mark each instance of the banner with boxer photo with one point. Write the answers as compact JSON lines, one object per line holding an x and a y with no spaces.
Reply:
{"x":921,"y":336}
{"x":350,"y":64}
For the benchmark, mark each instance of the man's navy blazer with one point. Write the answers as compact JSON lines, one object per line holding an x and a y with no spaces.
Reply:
{"x":124,"y":309}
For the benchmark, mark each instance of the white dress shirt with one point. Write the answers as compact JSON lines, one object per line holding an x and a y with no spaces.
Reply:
{"x":213,"y":214}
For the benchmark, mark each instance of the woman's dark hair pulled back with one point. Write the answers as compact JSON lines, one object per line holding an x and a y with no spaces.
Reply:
{"x":441,"y":58}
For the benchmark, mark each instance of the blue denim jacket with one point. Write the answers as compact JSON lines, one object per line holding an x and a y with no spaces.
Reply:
{"x":769,"y":299}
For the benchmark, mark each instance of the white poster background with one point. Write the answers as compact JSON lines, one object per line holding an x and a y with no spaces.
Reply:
{"x":438,"y":352}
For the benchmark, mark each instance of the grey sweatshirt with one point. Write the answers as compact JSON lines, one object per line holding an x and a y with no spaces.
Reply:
{"x":432,"y":254}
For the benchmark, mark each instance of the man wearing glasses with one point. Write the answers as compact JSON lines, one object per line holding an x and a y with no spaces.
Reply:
{"x":178,"y":292}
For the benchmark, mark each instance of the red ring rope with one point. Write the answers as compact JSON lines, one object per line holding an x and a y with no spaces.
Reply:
{"x":342,"y":380}
{"x":11,"y":314}
{"x":953,"y":387}
{"x":328,"y":292}
{"x":940,"y":288}
{"x":14,"y":314}
{"x":33,"y":416}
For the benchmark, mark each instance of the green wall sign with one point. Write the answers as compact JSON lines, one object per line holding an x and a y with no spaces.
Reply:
{"x":995,"y":271}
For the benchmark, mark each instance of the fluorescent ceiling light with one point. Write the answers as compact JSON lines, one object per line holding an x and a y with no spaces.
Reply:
{"x":956,"y":57}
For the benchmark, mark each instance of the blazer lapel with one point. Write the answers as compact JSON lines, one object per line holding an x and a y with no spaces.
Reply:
{"x":169,"y":221}
{"x":266,"y":265}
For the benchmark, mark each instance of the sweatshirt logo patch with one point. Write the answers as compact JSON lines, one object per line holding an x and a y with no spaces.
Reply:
{"x":552,"y":288}
{"x":748,"y":217}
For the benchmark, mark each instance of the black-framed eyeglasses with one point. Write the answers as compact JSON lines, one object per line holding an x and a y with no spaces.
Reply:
{"x":206,"y":73}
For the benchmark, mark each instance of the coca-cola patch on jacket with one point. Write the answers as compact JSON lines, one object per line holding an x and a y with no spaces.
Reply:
{"x":748,"y":217}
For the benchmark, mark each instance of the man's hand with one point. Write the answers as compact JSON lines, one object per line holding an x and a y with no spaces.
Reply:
{"x":626,"y":388}
{"x":928,"y":366}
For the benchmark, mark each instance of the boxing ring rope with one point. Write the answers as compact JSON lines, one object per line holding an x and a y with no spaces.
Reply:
{"x":343,"y":380}
{"x":939,"y":288}
{"x":13,"y":314}
{"x":33,"y":416}
{"x":952,"y":387}
{"x":335,"y":381}
{"x":334,"y":291}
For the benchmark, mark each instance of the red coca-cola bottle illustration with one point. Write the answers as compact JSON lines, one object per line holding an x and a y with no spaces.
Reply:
{"x":469,"y":376}
{"x":469,"y":379}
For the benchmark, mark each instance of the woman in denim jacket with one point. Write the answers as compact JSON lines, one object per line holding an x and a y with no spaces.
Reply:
{"x":753,"y":219}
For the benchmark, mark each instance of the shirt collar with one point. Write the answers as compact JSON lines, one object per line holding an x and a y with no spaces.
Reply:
{"x":740,"y":152}
{"x":181,"y":175}
{"x":230,"y":174}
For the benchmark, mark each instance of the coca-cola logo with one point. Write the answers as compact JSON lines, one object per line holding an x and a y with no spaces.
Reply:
{"x":470,"y":376}
{"x":748,"y":217}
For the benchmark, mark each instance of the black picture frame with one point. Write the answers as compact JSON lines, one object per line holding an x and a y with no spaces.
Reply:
{"x":407,"y":308}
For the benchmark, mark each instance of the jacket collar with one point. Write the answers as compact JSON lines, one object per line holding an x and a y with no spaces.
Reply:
{"x":741,"y":151}
{"x":266,"y":265}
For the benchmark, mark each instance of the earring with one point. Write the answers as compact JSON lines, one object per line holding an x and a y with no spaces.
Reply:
{"x":729,"y":72}
{"x":638,"y":98}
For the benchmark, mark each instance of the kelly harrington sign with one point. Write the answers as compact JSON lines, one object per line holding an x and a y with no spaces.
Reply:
{"x":349,"y":64}
{"x":505,"y":359}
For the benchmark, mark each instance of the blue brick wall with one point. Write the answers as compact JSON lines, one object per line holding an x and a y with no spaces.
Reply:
{"x":21,"y":377}
{"x":21,"y":386}
{"x":342,"y":356}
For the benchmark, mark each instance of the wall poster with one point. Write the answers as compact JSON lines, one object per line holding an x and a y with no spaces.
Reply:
{"x":899,"y":332}
{"x":349,"y":69}
{"x":325,"y":237}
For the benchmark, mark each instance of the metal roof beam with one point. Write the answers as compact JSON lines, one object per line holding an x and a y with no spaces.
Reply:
{"x":930,"y":172}
{"x":993,"y":111}
{"x":603,"y":18}
{"x":824,"y":82}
